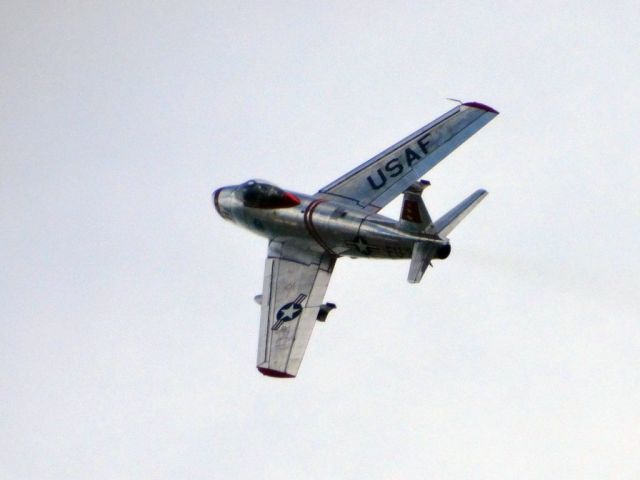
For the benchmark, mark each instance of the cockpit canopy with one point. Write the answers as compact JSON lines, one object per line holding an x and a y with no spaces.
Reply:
{"x":261,"y":194}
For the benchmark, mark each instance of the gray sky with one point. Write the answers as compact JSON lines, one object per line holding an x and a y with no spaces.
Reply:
{"x":128,"y":331}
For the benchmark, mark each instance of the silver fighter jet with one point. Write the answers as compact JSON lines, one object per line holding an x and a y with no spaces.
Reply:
{"x":308,"y":233}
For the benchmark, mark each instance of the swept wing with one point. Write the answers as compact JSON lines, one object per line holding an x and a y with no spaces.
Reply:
{"x":376,"y":182}
{"x":295,"y":281}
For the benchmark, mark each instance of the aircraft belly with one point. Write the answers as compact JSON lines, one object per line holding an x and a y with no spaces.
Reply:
{"x":332,"y":226}
{"x":276,"y":223}
{"x":343,"y":231}
{"x":383,"y":240}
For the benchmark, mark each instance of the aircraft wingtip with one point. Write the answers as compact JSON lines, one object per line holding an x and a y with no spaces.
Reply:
{"x":481,"y":106}
{"x":274,"y":373}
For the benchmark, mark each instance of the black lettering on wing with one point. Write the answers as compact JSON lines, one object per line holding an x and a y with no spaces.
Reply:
{"x":411,"y":156}
{"x":423,"y":143}
{"x":394,"y":167}
{"x":383,"y":180}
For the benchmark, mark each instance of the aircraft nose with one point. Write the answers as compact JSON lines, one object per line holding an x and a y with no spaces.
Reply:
{"x":219,"y":195}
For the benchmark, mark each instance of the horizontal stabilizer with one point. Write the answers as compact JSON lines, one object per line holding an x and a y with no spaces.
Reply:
{"x":450,"y":220}
{"x":423,"y":253}
{"x":420,"y":260}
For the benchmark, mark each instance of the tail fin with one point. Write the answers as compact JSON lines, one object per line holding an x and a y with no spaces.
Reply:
{"x":414,"y":216}
{"x":450,"y":220}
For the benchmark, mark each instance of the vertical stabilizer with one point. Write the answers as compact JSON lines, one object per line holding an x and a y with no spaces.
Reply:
{"x":414,"y":216}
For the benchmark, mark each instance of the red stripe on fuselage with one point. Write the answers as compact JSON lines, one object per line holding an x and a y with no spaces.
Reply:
{"x":308,"y":223}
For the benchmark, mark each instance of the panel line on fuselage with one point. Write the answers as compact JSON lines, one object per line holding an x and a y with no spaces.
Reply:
{"x":308,"y":223}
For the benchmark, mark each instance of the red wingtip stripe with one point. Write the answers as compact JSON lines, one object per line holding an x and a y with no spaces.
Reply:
{"x":274,"y":373}
{"x":481,"y":106}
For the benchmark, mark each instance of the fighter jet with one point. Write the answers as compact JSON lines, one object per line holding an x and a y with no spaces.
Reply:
{"x":308,"y":233}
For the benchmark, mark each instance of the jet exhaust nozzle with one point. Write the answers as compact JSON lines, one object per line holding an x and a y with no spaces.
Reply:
{"x":443,"y":251}
{"x":423,"y":253}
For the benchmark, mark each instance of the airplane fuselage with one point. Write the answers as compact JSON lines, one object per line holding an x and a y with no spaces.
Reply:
{"x":325,"y":226}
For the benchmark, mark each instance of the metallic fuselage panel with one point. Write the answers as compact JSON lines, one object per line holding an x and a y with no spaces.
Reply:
{"x":332,"y":227}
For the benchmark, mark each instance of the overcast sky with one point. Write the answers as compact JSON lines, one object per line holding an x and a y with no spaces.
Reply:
{"x":128,"y":333}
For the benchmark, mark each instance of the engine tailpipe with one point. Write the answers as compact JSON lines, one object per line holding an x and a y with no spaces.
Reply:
{"x":423,"y":253}
{"x":443,"y":251}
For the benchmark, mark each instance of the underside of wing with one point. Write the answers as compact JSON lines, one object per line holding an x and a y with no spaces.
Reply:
{"x":295,"y":281}
{"x":376,"y":182}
